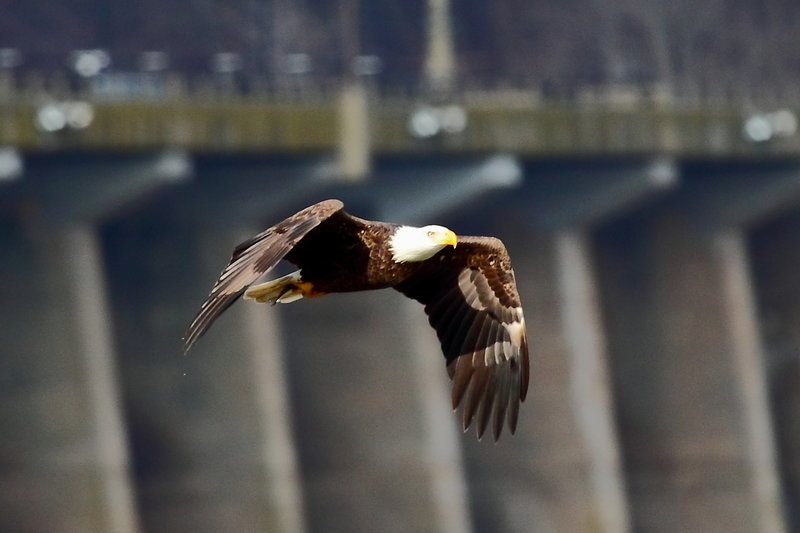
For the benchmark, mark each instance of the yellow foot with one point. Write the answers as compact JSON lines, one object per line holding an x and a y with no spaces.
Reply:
{"x":282,"y":290}
{"x":306,"y":290}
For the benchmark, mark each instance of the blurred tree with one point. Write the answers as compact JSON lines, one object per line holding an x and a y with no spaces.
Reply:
{"x":681,"y":44}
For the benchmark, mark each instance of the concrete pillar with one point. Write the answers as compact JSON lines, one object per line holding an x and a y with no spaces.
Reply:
{"x":210,"y":432}
{"x":360,"y":432}
{"x":562,"y":471}
{"x":775,"y":253}
{"x":539,"y":480}
{"x":440,"y":449}
{"x":63,"y":446}
{"x":64,"y":459}
{"x":66,"y":454}
{"x":592,"y":402}
{"x":440,"y":60}
{"x":354,"y":132}
{"x":686,"y":373}
{"x":748,"y":363}
{"x":698,"y":436}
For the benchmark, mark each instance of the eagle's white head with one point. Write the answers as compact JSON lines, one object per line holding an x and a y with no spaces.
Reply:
{"x":410,"y":244}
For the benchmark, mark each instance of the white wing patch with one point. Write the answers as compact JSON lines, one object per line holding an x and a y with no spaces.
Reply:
{"x":516,"y":331}
{"x":469,"y":288}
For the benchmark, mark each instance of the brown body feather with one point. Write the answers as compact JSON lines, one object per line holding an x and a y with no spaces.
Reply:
{"x":349,"y":254}
{"x":469,"y":294}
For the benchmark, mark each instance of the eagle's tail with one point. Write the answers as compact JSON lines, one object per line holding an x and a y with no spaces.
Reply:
{"x":283,"y":290}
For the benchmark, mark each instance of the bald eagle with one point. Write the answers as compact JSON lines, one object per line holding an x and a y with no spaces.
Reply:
{"x":465,"y":283}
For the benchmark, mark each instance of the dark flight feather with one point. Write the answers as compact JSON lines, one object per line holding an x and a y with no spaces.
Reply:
{"x":254,"y":258}
{"x":471,"y":300}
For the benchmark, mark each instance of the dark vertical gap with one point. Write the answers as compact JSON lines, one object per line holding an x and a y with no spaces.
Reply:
{"x":775,"y":259}
{"x":140,"y":256}
{"x":619,"y":251}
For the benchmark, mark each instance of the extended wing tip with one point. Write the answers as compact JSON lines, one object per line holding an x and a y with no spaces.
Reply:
{"x":525,"y":365}
{"x":481,"y":431}
{"x":189,"y":340}
{"x":497,"y":428}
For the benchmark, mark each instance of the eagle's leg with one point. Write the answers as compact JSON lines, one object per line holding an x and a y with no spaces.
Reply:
{"x":283,"y":290}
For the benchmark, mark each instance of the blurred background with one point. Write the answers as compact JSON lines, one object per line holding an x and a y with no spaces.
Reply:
{"x":640,"y":159}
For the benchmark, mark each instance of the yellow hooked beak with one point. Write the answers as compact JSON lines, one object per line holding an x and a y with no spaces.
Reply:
{"x":447,"y":238}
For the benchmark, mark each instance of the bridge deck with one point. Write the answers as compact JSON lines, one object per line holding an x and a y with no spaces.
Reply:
{"x":528,"y":128}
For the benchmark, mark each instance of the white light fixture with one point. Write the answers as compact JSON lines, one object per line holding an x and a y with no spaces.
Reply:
{"x":11,"y":165}
{"x":51,"y":118}
{"x":423,"y":123}
{"x":56,"y":116}
{"x":79,"y":115}
{"x":89,"y":63}
{"x":763,"y":127}
{"x":429,"y":121}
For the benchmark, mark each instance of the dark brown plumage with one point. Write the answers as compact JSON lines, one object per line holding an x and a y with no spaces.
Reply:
{"x":468,"y":291}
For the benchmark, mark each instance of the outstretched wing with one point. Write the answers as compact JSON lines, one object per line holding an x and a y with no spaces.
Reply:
{"x":471,"y":299}
{"x":252,"y":259}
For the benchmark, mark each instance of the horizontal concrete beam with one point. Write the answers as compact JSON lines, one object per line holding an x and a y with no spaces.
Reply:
{"x":563,"y":195}
{"x":85,"y":187}
{"x":739,"y":195}
{"x":235,"y":191}
{"x":415,"y":193}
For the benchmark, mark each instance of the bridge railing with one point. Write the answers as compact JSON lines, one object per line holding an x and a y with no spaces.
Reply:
{"x":133,"y":111}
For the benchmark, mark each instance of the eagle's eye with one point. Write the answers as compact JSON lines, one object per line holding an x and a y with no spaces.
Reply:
{"x":431,"y":233}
